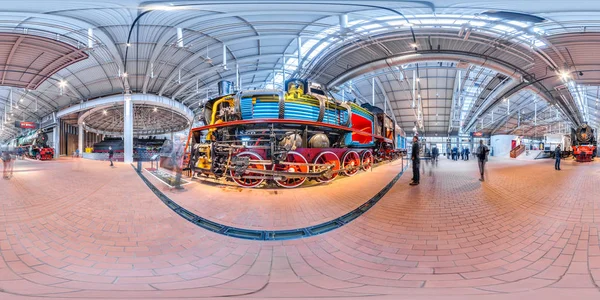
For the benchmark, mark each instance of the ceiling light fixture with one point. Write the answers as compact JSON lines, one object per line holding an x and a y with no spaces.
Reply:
{"x":124,"y":74}
{"x":565,"y":75}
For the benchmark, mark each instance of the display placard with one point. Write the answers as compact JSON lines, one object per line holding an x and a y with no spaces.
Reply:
{"x":26,"y":125}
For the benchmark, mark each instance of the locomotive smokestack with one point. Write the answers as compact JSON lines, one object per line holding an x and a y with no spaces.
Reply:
{"x":225,"y":87}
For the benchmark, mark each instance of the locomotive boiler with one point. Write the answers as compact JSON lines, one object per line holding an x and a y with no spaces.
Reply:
{"x":584,"y":143}
{"x":288,"y":137}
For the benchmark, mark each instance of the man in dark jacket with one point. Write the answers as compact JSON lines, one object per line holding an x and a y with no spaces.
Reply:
{"x":482,"y":152}
{"x":557,"y":155}
{"x":110,"y":155}
{"x":415,"y":161}
{"x":435,"y":152}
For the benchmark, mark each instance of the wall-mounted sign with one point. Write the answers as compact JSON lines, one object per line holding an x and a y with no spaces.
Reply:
{"x":477,"y":134}
{"x":26,"y":125}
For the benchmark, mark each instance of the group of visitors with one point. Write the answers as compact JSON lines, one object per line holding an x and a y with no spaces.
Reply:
{"x":463,"y":154}
{"x":481,"y":152}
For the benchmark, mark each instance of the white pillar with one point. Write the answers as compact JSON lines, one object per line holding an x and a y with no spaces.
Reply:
{"x":128,"y":129}
{"x":56,"y":138}
{"x":80,"y":139}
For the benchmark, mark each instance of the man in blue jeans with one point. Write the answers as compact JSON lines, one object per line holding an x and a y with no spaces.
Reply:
{"x":557,"y":155}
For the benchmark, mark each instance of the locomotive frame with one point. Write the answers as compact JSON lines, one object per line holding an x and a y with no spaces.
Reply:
{"x":288,"y":138}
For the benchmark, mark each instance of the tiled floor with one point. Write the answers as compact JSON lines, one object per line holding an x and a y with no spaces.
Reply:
{"x":84,"y":230}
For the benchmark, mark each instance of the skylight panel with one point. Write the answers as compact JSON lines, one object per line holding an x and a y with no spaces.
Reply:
{"x":518,"y":23}
{"x":367,"y":27}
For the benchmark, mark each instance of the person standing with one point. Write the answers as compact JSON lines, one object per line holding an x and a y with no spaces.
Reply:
{"x":557,"y":155}
{"x":110,"y":155}
{"x":455,"y":153}
{"x":482,"y":152}
{"x":467,"y":152}
{"x":415,"y":161}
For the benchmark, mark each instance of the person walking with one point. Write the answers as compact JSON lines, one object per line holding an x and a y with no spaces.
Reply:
{"x":7,"y":162}
{"x":110,"y":155}
{"x":482,"y":152}
{"x":467,"y":152}
{"x":435,"y":152}
{"x":557,"y":155}
{"x":177,"y":157}
{"x":415,"y":161}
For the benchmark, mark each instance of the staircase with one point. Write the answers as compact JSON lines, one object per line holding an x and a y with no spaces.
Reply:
{"x":516,"y":151}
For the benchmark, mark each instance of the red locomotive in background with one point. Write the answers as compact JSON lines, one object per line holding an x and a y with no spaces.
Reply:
{"x":288,"y":137}
{"x":584,"y":143}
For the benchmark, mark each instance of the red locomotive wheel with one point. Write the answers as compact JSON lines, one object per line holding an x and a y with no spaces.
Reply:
{"x":328,"y":157}
{"x":298,"y":165}
{"x":244,"y":181}
{"x":351,"y":163}
{"x":367,"y":160}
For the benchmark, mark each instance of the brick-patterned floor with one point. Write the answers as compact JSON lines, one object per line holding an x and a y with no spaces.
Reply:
{"x":85,"y":230}
{"x":270,"y":208}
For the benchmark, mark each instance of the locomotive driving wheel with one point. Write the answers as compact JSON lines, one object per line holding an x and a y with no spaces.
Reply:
{"x":329,"y":158}
{"x":295,"y":163}
{"x":351,"y":163}
{"x":247,"y":179}
{"x":367,"y":160}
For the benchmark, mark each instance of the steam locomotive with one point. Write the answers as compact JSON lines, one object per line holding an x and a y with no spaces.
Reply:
{"x":288,"y":136}
{"x":34,"y":145}
{"x":584,"y":143}
{"x":151,"y":143}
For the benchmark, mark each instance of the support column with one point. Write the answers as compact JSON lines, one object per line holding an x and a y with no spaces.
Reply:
{"x":56,"y":138}
{"x":128,"y":129}
{"x":80,"y":139}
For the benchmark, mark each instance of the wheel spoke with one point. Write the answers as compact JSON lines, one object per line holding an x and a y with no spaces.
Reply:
{"x":298,"y":165}
{"x":351,"y":163}
{"x":244,"y":181}
{"x":328,"y":157}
